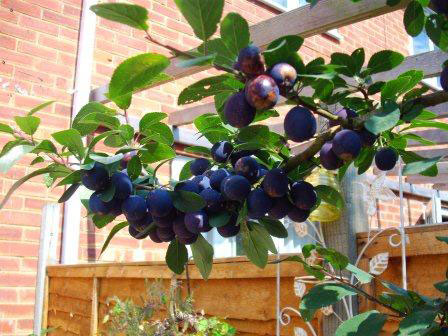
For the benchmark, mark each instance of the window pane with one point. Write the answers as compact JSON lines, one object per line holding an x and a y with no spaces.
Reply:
{"x":421,"y":43}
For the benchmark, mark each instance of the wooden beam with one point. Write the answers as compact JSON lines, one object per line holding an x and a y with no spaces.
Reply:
{"x":441,"y":186}
{"x":303,"y":21}
{"x":419,"y":179}
{"x":94,"y":317}
{"x":442,"y":167}
{"x":440,"y":137}
{"x":429,"y":152}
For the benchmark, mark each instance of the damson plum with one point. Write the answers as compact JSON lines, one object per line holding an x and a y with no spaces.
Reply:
{"x":159,"y":203}
{"x":280,"y":208}
{"x":250,"y":61}
{"x":202,"y":181}
{"x":303,"y":195}
{"x":444,"y":79}
{"x":97,"y":178}
{"x":221,"y":151}
{"x":199,"y":166}
{"x":258,"y":203}
{"x":122,"y":184}
{"x":136,"y":234}
{"x":165,"y":234}
{"x":217,"y":177}
{"x":440,"y":6}
{"x":386,"y":159}
{"x":238,"y":112}
{"x":368,"y":139}
{"x":230,"y":229}
{"x":214,"y":200}
{"x":328,"y":158}
{"x":197,"y":222}
{"x":235,"y":156}
{"x":154,"y":236}
{"x":188,"y":186}
{"x":248,"y":167}
{"x":298,"y":215}
{"x":275,"y":183}
{"x":235,"y":188}
{"x":166,"y":221}
{"x":284,"y":75}
{"x":97,"y":206}
{"x":345,"y":114}
{"x":347,"y":145}
{"x":115,"y":206}
{"x":183,"y":235}
{"x":262,"y":92}
{"x":299,"y":124}
{"x":126,"y":158}
{"x":143,"y":224}
{"x":134,"y":208}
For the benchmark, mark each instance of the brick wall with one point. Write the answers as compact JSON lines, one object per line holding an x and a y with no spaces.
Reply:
{"x":38,"y":45}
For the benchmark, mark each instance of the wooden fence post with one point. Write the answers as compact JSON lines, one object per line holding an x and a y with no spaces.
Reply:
{"x":95,"y":306}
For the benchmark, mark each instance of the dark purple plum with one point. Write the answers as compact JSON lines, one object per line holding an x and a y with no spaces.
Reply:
{"x":97,"y":206}
{"x":122,"y":184}
{"x":298,"y":215}
{"x":347,"y":145}
{"x":97,"y":178}
{"x":154,"y":236}
{"x":183,"y":235}
{"x":221,"y":151}
{"x":235,"y":156}
{"x":136,"y":234}
{"x":386,"y":159}
{"x":444,"y":79}
{"x":142,"y":225}
{"x":368,"y":139}
{"x":262,"y":92}
{"x":345,"y":114}
{"x":235,"y":188}
{"x":250,"y":61}
{"x":440,"y":6}
{"x":238,"y":112}
{"x":165,"y":234}
{"x":166,"y":221}
{"x":188,"y":186}
{"x":258,"y":203}
{"x":199,"y":166}
{"x":284,"y":75}
{"x":217,"y":177}
{"x":280,"y":208}
{"x":328,"y":158}
{"x":134,"y":208}
{"x":261,"y":173}
{"x":275,"y":183}
{"x":126,"y":158}
{"x":214,"y":200}
{"x":159,"y":203}
{"x":303,"y":195}
{"x":300,"y":124}
{"x":248,"y":167}
{"x":202,"y":181}
{"x":197,"y":222}
{"x":230,"y":229}
{"x":209,"y":173}
{"x":115,"y":206}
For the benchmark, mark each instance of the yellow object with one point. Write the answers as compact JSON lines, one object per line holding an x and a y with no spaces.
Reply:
{"x":325,"y":212}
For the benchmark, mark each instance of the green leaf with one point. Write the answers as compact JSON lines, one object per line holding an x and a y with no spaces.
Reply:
{"x":202,"y":16}
{"x":106,"y":159}
{"x":256,"y":252}
{"x":203,"y":256}
{"x":101,"y":221}
{"x":69,"y":192}
{"x":92,"y":107}
{"x":219,"y":219}
{"x":100,"y":137}
{"x":45,"y":146}
{"x":442,"y":239}
{"x":197,"y":61}
{"x":416,"y":123}
{"x":330,"y":195}
{"x":134,"y":167}
{"x":28,"y":124}
{"x":393,"y":88}
{"x":40,"y":107}
{"x":349,"y":64}
{"x":420,"y":166}
{"x":151,"y":119}
{"x":383,"y":119}
{"x":134,"y":74}
{"x":362,"y":276}
{"x":198,"y":149}
{"x":323,"y":295}
{"x":254,"y":133}
{"x":274,"y":227}
{"x":235,"y":32}
{"x":185,"y":172}
{"x":442,"y":286}
{"x":72,"y":178}
{"x":358,"y":57}
{"x":186,"y":201}
{"x":131,"y":15}
{"x":21,"y":181}
{"x":336,"y":259}
{"x":384,"y":60}
{"x":265,"y":114}
{"x":158,"y":132}
{"x":108,"y":194}
{"x":323,"y":88}
{"x":12,"y":156}
{"x":367,"y":324}
{"x":414,"y":18}
{"x":95,"y":120}
{"x":176,"y":256}
{"x":71,"y":139}
{"x":112,"y":233}
{"x":6,"y":128}
{"x":284,"y":49}
{"x":435,"y":28}
{"x":261,"y":236}
{"x":155,"y":152}
{"x":417,"y":321}
{"x":222,"y":55}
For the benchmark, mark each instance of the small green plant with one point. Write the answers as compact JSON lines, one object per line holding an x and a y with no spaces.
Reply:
{"x":128,"y":318}
{"x":43,"y":332}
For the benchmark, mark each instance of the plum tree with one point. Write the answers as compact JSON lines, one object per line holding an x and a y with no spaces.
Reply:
{"x":143,"y":224}
{"x":440,"y":6}
{"x":300,"y":124}
{"x":247,"y":166}
{"x":166,"y":221}
{"x":159,"y":203}
{"x":199,"y":166}
{"x":328,"y":158}
{"x":275,"y":183}
{"x":235,"y":188}
{"x":96,"y":178}
{"x":368,"y":139}
{"x":250,"y":61}
{"x":197,"y":222}
{"x":183,"y":235}
{"x":221,"y":151}
{"x":345,"y":114}
{"x":166,"y":234}
{"x":298,"y":215}
{"x":258,"y":203}
{"x":347,"y":145}
{"x":97,"y":205}
{"x":214,"y":200}
{"x":134,"y":208}
{"x":280,"y":207}
{"x":189,"y":186}
{"x":217,"y":177}
{"x":284,"y":75}
{"x":262,"y":92}
{"x":386,"y":158}
{"x":303,"y":195}
{"x":238,"y":112}
{"x":123,"y":185}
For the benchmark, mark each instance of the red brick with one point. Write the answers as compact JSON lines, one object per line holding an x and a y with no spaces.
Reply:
{"x":5,"y":97}
{"x":60,"y":19}
{"x":162,"y":31}
{"x":111,"y":48}
{"x":56,"y":69}
{"x":8,"y":295}
{"x":56,"y":43}
{"x":50,"y":93}
{"x":68,"y":33}
{"x":35,"y":50}
{"x":6,"y":326}
{"x":33,"y":203}
{"x":17,"y":279}
{"x":10,"y":232}
{"x":26,"y":324}
{"x":34,"y":76}
{"x":22,"y":7}
{"x":9,"y":264}
{"x":32,"y":235}
{"x":21,"y":217}
{"x":17,"y":310}
{"x":131,"y":42}
{"x":39,"y":25}
{"x":7,"y":42}
{"x":15,"y":57}
{"x":73,"y":11}
{"x":55,"y":5}
{"x":7,"y":15}
{"x":14,"y":30}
